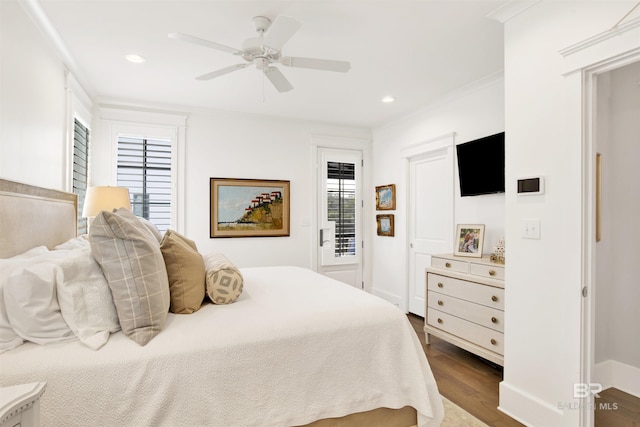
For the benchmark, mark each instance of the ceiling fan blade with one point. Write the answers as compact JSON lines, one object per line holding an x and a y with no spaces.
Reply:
{"x":221,"y":72}
{"x":316,"y":64}
{"x":278,"y":79}
{"x":205,"y":43}
{"x":280,"y":32}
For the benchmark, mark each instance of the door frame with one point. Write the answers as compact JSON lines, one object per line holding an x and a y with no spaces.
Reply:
{"x":441,"y":142}
{"x":584,"y":61}
{"x":345,"y":143}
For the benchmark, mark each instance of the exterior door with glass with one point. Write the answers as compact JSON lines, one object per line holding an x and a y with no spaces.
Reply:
{"x":339,"y":216}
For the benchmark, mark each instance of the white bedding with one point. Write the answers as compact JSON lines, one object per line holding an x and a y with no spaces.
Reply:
{"x":294,"y":348}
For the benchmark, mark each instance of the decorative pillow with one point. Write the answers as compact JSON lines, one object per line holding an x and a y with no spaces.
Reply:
{"x":223,"y":279}
{"x":133,"y":265}
{"x":84,"y":296}
{"x":152,"y":228}
{"x":31,"y":300}
{"x":185,"y":270}
{"x":8,"y":337}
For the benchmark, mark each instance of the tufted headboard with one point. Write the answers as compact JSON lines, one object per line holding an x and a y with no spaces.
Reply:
{"x":33,"y":216}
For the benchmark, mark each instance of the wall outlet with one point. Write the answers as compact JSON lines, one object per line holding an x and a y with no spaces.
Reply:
{"x":531,"y":228}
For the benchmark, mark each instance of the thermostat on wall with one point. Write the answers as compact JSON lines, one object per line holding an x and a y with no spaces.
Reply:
{"x":531,"y":185}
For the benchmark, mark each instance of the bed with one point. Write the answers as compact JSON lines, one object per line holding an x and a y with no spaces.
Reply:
{"x":296,"y":348}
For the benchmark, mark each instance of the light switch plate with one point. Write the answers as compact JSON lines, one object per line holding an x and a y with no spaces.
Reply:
{"x":531,"y":228}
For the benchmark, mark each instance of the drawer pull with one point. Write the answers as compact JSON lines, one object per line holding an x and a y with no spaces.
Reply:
{"x":439,"y":320}
{"x":494,"y":298}
{"x":492,"y":272}
{"x":440,"y":302}
{"x":447,"y":264}
{"x":494,"y":320}
{"x":493,"y":341}
{"x":440,"y":285}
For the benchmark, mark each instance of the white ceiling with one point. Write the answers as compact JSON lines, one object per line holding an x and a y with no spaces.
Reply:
{"x":415,"y":50}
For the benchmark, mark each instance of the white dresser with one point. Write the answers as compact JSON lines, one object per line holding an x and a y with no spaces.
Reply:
{"x":465,"y":304}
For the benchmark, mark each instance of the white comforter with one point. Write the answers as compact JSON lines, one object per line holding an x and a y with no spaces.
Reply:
{"x":294,"y":348}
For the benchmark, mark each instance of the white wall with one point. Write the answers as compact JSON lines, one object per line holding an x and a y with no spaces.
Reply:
{"x":472,"y":113}
{"x":231,"y":145}
{"x":33,"y":103}
{"x":544,"y":124}
{"x":617,"y":292}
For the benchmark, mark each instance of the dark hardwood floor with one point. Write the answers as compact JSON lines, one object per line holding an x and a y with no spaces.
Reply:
{"x":465,"y":379}
{"x":472,"y":383}
{"x":616,"y":408}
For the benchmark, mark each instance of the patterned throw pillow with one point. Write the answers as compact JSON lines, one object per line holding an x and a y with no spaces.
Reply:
{"x":130,"y":258}
{"x":185,"y":269}
{"x":223,"y":279}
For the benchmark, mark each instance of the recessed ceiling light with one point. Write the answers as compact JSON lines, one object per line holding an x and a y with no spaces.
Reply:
{"x":388,"y":99}
{"x":136,"y":59}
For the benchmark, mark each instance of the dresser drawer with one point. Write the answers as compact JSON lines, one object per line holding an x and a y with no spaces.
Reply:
{"x":476,"y":313}
{"x":484,"y":337}
{"x":484,"y":270}
{"x":489,"y":296}
{"x":450,"y":264}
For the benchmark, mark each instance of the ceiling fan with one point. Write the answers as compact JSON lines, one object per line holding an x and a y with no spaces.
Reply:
{"x":266,"y":50}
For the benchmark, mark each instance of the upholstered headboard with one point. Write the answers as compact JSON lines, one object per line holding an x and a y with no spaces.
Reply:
{"x":32,"y":216}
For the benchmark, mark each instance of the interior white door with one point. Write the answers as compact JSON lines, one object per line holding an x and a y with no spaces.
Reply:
{"x":339,"y":216}
{"x":430,"y":218}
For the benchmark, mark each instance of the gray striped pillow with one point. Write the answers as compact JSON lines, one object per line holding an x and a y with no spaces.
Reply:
{"x":130,"y":258}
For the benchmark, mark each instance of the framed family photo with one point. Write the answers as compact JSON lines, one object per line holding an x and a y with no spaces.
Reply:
{"x":469,"y":240}
{"x":386,"y":197}
{"x":249,"y":208}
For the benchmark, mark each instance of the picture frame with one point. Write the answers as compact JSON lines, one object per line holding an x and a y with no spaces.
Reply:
{"x":386,"y":197}
{"x":469,"y":240}
{"x":249,"y":207}
{"x":385,"y":225}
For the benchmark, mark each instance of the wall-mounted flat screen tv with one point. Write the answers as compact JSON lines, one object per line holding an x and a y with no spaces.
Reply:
{"x":481,"y":165}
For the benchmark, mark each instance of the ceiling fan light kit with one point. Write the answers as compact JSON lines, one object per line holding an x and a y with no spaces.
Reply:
{"x":265,"y":50}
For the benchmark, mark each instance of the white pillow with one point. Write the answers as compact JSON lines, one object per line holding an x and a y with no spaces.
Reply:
{"x":8,"y":337}
{"x":84,"y":296}
{"x":31,"y":300}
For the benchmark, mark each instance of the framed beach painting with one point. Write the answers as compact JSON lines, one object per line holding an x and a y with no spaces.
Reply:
{"x":386,"y":197}
{"x":469,"y":240}
{"x":385,"y":225}
{"x":249,"y":208}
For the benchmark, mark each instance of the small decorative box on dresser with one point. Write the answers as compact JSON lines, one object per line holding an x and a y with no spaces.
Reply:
{"x":20,"y":405}
{"x":465,"y":304}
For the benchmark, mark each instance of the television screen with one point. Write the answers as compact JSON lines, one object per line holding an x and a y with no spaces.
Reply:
{"x":481,"y":166}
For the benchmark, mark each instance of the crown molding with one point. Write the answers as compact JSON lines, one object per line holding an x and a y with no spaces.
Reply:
{"x":42,"y":23}
{"x":511,"y":9}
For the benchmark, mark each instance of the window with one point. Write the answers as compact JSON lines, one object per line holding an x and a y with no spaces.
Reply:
{"x":80,"y":166}
{"x":341,"y":206}
{"x":144,"y":166}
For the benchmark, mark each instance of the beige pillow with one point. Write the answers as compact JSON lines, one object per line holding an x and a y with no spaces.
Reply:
{"x":224,"y":281}
{"x":185,"y":269}
{"x":130,"y":259}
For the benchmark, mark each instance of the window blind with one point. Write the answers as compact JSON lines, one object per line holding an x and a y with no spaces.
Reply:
{"x":144,"y":166}
{"x":80,"y":167}
{"x":341,"y":206}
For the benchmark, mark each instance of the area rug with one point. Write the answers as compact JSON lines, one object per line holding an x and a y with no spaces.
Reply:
{"x":455,"y":416}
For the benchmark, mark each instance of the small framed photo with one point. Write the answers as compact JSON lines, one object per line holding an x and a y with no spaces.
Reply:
{"x":385,"y":225}
{"x":469,"y":240}
{"x":386,"y":197}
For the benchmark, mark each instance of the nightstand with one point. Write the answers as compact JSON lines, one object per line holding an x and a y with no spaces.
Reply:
{"x":20,"y":405}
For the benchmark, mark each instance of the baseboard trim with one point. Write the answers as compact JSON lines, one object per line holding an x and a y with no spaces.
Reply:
{"x":528,"y":409}
{"x":612,"y":373}
{"x":392,"y":298}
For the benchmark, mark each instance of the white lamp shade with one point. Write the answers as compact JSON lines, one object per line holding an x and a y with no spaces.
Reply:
{"x":105,"y":199}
